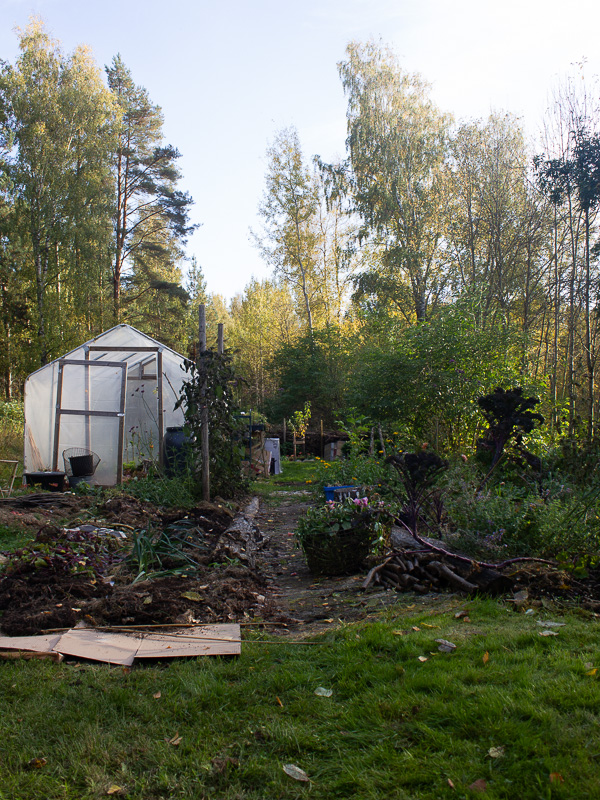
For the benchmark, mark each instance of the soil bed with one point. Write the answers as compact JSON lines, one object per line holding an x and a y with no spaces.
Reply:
{"x":278,"y":589}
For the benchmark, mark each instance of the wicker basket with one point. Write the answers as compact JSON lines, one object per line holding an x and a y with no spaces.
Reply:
{"x":343,"y":553}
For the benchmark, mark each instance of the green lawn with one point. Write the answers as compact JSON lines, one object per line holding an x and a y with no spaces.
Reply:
{"x":393,"y":727}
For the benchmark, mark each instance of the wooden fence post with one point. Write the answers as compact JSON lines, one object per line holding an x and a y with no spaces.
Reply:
{"x":204,"y":434}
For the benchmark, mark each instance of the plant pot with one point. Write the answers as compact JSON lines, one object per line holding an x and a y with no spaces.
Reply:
{"x":342,"y":553}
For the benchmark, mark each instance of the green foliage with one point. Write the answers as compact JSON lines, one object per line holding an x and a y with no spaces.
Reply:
{"x":312,"y":368}
{"x":509,"y":415}
{"x":164,"y":492}
{"x":210,"y":385}
{"x":430,"y":375}
{"x":298,"y":422}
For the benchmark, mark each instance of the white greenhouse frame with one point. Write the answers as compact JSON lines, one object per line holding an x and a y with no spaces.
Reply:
{"x":114,"y":395}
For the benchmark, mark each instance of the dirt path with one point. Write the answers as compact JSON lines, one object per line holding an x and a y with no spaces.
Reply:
{"x":301,"y":596}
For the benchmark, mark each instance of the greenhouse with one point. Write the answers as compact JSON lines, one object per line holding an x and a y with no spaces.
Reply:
{"x":109,"y":401}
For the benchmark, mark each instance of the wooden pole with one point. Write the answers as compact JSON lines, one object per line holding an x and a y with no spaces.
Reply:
{"x":204,"y":437}
{"x":322,"y":445}
{"x":220,"y":339}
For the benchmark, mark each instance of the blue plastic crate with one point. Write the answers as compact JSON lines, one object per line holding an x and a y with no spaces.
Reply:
{"x":330,"y":491}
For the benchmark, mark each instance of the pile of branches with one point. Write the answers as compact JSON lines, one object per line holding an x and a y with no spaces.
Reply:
{"x":425,"y":571}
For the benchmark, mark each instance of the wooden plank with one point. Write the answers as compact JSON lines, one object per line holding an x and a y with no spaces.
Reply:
{"x":161,"y":413}
{"x":32,"y":644}
{"x":59,"y":388}
{"x":110,"y":648}
{"x":74,"y":412}
{"x":205,"y":640}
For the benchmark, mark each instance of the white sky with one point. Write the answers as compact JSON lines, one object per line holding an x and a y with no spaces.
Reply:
{"x":229,"y":74}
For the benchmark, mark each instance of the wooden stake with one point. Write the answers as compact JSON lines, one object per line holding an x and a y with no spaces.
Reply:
{"x":204,"y":436}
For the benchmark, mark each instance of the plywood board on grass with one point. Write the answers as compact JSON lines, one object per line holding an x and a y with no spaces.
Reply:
{"x":205,"y":640}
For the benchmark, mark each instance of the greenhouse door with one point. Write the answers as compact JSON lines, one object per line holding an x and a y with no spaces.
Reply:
{"x":90,"y":413}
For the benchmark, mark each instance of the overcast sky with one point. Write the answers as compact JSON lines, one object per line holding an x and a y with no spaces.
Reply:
{"x":229,"y":74}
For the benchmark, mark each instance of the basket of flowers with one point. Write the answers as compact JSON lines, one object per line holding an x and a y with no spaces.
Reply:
{"x":337,"y":538}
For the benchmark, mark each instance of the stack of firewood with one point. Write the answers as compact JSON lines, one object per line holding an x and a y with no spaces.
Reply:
{"x":426,"y":571}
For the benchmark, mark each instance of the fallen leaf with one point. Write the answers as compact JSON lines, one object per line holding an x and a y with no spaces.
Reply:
{"x":547,"y":633}
{"x":147,"y":600}
{"x":422,"y":658}
{"x":486,"y":657}
{"x":156,"y":696}
{"x":556,"y":777}
{"x":520,"y":598}
{"x":496,"y":752}
{"x":415,"y":628}
{"x":478,"y":786}
{"x":221,"y":765}
{"x":588,"y":665}
{"x":592,"y":671}
{"x":425,"y":625}
{"x":400,"y":633}
{"x":197,"y":598}
{"x":460,"y":615}
{"x":445,"y":646}
{"x":114,"y":789}
{"x":450,"y":784}
{"x":278,"y":701}
{"x":37,"y":763}
{"x":530,"y":611}
{"x":549,"y":624}
{"x":296,"y":773}
{"x":320,"y":691}
{"x":175,"y":740}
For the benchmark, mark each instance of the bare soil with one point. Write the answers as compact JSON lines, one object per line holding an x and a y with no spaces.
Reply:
{"x":279,"y":592}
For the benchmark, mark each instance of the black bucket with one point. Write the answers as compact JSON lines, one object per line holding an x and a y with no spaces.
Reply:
{"x":82,"y":465}
{"x":175,"y":451}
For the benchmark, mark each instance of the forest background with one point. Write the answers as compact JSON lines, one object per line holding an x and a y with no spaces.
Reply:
{"x":437,"y":260}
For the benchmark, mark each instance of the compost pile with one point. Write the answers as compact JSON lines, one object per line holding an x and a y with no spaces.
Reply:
{"x":136,"y":565}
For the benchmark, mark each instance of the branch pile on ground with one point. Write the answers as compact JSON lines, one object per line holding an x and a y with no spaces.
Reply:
{"x":425,"y":571}
{"x":242,"y":540}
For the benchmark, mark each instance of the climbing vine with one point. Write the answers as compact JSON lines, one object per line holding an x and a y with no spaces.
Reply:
{"x":210,"y":384}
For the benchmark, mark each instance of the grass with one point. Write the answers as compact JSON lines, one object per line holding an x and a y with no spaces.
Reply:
{"x":295,"y":476}
{"x":394,"y":727}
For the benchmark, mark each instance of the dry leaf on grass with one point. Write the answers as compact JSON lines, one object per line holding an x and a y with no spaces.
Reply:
{"x":175,"y":740}
{"x":496,"y":752}
{"x":556,"y":777}
{"x":461,"y":614}
{"x":592,"y":672}
{"x":156,"y":695}
{"x":36,"y":763}
{"x":296,"y":773}
{"x":320,"y":691}
{"x":547,"y":633}
{"x":278,"y":701}
{"x":478,"y":785}
{"x":114,"y":789}
{"x":486,"y":657}
{"x":422,"y":658}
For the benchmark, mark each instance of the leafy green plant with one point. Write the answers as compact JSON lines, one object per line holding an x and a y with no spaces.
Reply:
{"x":158,"y":554}
{"x":337,"y":537}
{"x":210,"y":385}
